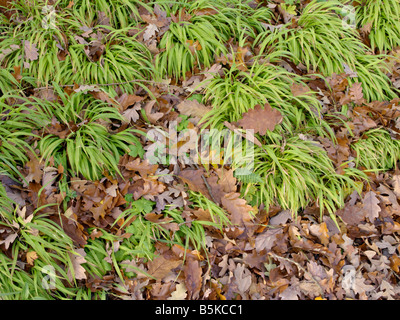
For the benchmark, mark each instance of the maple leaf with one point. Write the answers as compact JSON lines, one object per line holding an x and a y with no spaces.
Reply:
{"x":31,"y":52}
{"x":238,"y":208}
{"x":261,"y":120}
{"x":370,"y":205}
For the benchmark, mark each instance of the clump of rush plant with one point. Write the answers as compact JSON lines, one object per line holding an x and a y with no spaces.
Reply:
{"x":8,"y":83}
{"x":48,"y":246}
{"x":376,"y":151}
{"x":14,"y":135}
{"x":323,"y":42}
{"x":70,"y":49}
{"x":197,"y":38}
{"x":236,"y":92}
{"x":294,"y":173}
{"x":30,"y":46}
{"x":192,"y":42}
{"x":83,"y":138}
{"x":145,"y":233}
{"x":382,"y":19}
{"x":118,"y":14}
{"x":118,"y":59}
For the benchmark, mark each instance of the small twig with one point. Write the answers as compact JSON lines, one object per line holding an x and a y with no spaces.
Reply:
{"x":299,"y":267}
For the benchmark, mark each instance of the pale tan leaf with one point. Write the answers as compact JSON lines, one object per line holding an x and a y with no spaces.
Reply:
{"x":193,"y":108}
{"x":77,"y":259}
{"x":371,"y":206}
{"x":150,"y":31}
{"x":180,"y":292}
{"x":31,"y":52}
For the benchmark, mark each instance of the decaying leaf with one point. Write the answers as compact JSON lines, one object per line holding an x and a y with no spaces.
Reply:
{"x":160,"y":266}
{"x":193,"y":108}
{"x":371,"y":205}
{"x":78,"y":272}
{"x":261,"y":119}
{"x":31,"y":51}
{"x":240,"y":211}
{"x":193,"y":278}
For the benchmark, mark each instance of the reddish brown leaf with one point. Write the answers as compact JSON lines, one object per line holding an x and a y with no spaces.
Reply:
{"x":193,"y":278}
{"x":261,"y":120}
{"x":159,"y":267}
{"x":238,"y":208}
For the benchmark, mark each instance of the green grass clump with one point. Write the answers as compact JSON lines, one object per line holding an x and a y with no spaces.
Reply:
{"x":145,"y":233}
{"x":376,"y":151}
{"x":14,"y":132}
{"x":294,"y":173}
{"x":239,"y":91}
{"x":325,"y":43}
{"x":123,"y":61}
{"x":86,"y":143}
{"x":383,"y":18}
{"x":198,"y":40}
{"x":63,"y":53}
{"x":53,"y":250}
{"x":31,"y":46}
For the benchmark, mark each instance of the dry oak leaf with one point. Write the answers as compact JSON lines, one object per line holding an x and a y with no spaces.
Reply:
{"x":194,"y":180}
{"x":371,"y":206}
{"x":77,"y":260}
{"x":143,"y":167}
{"x":153,"y":117}
{"x":396,"y":185}
{"x":150,"y":31}
{"x":238,"y":208}
{"x":299,"y":89}
{"x":193,"y":278}
{"x":159,"y":267}
{"x":193,"y":108}
{"x":180,"y":292}
{"x":31,"y":256}
{"x":266,"y":240}
{"x":31,"y":52}
{"x":261,"y":120}
{"x":242,"y":278}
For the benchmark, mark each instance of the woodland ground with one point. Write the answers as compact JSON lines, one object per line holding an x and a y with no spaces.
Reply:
{"x":98,"y":201}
